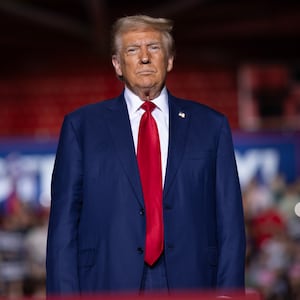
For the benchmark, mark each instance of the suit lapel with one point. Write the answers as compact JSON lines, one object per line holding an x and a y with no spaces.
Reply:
{"x":119,"y":125}
{"x":179,"y":121}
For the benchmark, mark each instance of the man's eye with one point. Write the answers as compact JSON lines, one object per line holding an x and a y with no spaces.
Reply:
{"x":131,"y":50}
{"x":154,"y":47}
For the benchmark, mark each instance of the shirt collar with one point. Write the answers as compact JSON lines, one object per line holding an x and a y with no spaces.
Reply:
{"x":134,"y":102}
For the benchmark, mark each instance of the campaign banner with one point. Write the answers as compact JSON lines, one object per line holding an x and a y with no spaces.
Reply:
{"x":26,"y":166}
{"x":266,"y":155}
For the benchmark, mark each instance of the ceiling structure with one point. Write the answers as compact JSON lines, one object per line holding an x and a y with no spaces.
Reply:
{"x":212,"y":31}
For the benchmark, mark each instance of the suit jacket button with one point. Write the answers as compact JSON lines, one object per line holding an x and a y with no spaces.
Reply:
{"x":142,"y":212}
{"x":140,"y":250}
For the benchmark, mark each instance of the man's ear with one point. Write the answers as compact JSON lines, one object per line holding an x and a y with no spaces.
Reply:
{"x":116,"y":63}
{"x":170,"y":63}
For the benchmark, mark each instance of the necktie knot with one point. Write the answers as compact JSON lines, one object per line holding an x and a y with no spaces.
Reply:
{"x":148,"y":106}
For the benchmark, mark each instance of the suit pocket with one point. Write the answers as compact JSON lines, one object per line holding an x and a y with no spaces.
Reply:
{"x":86,"y":257}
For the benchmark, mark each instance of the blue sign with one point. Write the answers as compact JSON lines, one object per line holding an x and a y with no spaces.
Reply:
{"x":267,"y":155}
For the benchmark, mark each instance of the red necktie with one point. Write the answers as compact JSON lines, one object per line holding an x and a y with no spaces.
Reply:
{"x":149,"y":161}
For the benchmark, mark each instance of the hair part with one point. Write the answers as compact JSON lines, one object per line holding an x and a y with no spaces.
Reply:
{"x":137,"y":22}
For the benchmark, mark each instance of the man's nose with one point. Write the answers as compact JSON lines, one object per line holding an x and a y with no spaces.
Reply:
{"x":145,"y":56}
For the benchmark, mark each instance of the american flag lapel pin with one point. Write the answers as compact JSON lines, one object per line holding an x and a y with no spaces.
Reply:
{"x":181,"y":114}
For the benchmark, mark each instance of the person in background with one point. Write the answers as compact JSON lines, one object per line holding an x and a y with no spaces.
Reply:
{"x":145,"y":190}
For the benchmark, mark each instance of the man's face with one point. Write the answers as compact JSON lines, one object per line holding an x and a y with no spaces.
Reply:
{"x":142,"y":61}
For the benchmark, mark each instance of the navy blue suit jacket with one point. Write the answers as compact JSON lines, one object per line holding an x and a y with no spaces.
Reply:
{"x":97,"y":222}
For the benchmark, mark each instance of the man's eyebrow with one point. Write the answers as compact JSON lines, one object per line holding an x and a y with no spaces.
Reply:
{"x":154,"y":43}
{"x":132,"y":45}
{"x":137,"y":44}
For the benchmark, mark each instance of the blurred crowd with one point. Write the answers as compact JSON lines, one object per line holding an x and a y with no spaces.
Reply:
{"x":272,"y":218}
{"x":23,"y":237}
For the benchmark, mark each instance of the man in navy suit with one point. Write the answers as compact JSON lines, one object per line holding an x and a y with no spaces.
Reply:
{"x":97,"y":227}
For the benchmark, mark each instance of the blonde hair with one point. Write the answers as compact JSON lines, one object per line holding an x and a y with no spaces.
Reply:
{"x":136,"y":22}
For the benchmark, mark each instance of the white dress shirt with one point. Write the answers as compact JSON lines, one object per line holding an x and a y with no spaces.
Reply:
{"x":161,"y":116}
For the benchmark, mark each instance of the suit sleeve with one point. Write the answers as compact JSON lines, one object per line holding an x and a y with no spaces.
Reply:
{"x":230,"y":218}
{"x":66,"y":198}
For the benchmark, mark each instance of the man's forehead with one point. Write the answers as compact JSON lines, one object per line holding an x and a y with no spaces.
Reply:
{"x":137,"y":35}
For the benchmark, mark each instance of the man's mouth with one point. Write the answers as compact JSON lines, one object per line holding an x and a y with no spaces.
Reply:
{"x":145,"y":72}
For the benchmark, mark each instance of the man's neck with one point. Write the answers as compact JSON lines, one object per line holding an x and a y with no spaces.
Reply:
{"x":146,"y":94}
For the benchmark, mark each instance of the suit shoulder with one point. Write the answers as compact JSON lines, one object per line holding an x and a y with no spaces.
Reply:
{"x":89,"y":110}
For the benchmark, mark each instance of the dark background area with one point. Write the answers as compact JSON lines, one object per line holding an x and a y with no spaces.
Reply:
{"x":206,"y":31}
